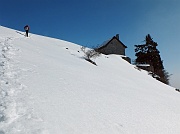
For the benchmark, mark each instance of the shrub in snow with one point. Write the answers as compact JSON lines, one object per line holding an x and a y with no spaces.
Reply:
{"x":89,"y":54}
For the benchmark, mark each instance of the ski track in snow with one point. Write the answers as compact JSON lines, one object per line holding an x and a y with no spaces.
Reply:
{"x":15,"y":116}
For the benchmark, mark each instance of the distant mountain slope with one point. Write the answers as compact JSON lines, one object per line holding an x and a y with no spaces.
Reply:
{"x":47,"y":87}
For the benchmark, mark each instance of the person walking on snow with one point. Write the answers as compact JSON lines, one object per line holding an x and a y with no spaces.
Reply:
{"x":26,"y":28}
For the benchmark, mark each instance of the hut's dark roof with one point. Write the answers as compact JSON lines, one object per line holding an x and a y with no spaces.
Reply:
{"x":105,"y":43}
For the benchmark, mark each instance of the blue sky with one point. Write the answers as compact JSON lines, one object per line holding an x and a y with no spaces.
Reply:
{"x":91,"y":22}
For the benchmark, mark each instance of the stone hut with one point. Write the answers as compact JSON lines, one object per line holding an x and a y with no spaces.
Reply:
{"x":113,"y":46}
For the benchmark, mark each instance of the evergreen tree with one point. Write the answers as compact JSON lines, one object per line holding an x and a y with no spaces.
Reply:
{"x":148,"y":54}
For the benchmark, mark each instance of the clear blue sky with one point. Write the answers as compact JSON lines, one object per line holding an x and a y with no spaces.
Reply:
{"x":90,"y":22}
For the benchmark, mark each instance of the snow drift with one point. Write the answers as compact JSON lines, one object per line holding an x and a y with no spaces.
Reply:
{"x":47,"y":87}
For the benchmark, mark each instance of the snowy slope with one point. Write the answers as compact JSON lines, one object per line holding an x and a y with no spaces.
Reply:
{"x":47,"y":87}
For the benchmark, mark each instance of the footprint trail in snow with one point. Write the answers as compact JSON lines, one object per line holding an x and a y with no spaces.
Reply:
{"x":15,"y":115}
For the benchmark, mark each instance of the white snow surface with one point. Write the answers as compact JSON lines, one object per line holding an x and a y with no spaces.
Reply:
{"x":47,"y":87}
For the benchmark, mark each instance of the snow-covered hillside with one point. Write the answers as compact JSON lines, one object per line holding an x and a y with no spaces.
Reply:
{"x":46,"y":87}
